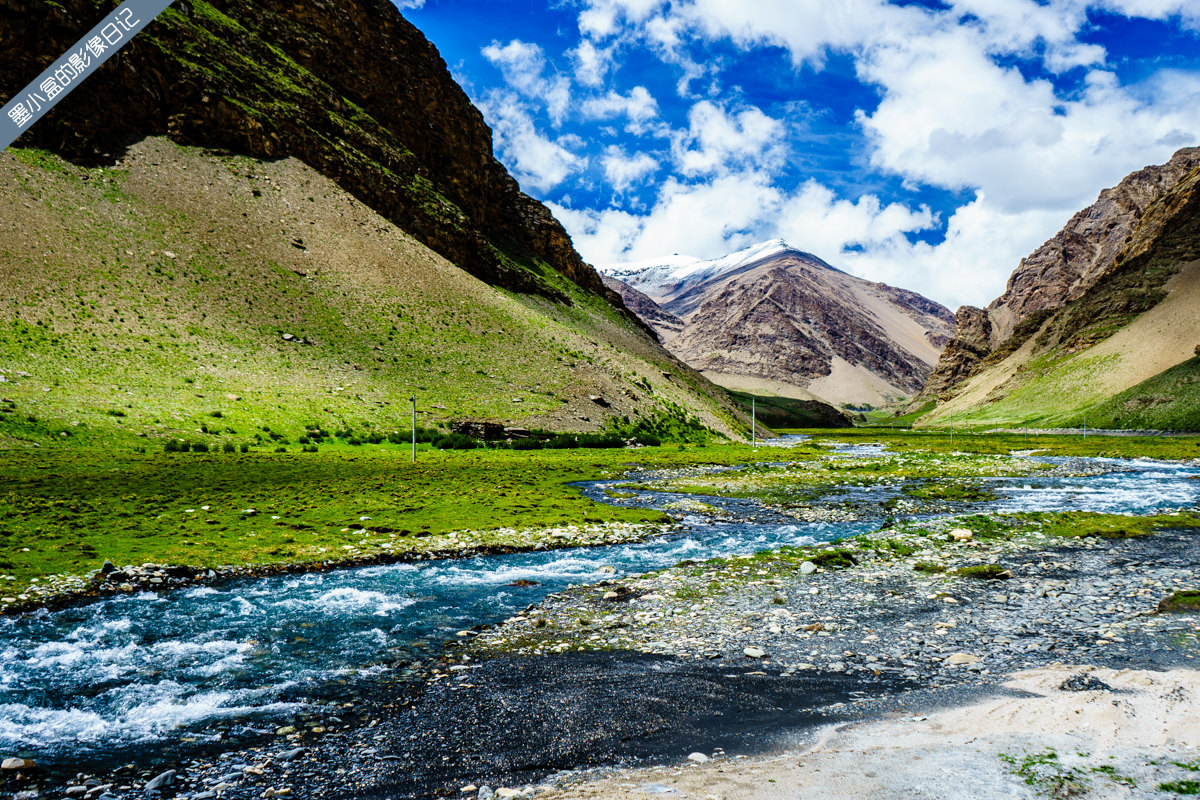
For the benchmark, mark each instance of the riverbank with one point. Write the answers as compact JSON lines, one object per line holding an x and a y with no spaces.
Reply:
{"x":58,"y":591}
{"x":1059,"y":731}
{"x":758,"y":665}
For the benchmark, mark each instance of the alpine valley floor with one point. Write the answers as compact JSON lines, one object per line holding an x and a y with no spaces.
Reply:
{"x":936,"y":654}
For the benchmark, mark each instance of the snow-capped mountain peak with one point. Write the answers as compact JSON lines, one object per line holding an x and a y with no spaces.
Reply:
{"x":657,"y":276}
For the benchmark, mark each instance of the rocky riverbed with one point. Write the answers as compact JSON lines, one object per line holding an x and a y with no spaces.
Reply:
{"x":936,"y":604}
{"x":730,"y":657}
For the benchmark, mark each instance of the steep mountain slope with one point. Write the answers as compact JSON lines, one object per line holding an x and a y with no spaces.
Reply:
{"x":1123,"y":335}
{"x":1058,"y":272}
{"x":352,"y":89}
{"x":230,"y":300}
{"x":777,"y":320}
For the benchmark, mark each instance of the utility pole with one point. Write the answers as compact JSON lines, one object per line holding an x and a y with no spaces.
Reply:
{"x":414,"y":427}
{"x":753,"y":430}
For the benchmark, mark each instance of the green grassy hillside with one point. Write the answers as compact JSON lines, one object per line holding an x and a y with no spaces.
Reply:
{"x":1107,"y":353}
{"x":229,"y":300}
{"x":1170,"y":401}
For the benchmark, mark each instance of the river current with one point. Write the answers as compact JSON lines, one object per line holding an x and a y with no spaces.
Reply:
{"x":137,"y":671}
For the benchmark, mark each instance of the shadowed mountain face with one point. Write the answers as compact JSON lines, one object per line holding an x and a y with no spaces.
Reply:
{"x":777,"y":319}
{"x":1095,"y":322}
{"x":350,"y":88}
{"x":1059,"y":272}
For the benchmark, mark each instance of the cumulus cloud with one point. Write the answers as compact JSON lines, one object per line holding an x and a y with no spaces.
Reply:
{"x":592,"y":63}
{"x":711,"y":218}
{"x":717,"y":141}
{"x":623,"y":170}
{"x":524,"y":67}
{"x":538,"y":162}
{"x":638,"y":106}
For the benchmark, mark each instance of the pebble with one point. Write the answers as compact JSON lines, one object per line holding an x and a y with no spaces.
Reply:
{"x":934,"y":629}
{"x":160,"y":781}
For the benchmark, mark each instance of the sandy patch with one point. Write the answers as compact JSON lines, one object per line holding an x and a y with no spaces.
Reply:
{"x":1157,"y":340}
{"x":850,"y":383}
{"x":1103,"y":740}
{"x":760,"y":386}
{"x":902,"y":328}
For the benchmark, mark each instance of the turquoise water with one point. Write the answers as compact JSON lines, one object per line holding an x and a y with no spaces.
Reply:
{"x":136,"y":670}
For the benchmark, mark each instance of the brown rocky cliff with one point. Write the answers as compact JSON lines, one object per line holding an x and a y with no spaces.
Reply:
{"x":1064,"y":267}
{"x":970,"y":345}
{"x":350,"y":87}
{"x":1059,"y":272}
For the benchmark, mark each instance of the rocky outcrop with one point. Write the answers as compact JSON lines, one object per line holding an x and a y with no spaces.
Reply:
{"x":351,"y":88}
{"x":1067,"y":265}
{"x":661,"y":321}
{"x":775,"y":317}
{"x":971,"y":344}
{"x":1059,"y":272}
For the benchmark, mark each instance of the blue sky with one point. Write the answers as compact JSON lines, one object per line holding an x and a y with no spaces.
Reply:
{"x":930,"y":145}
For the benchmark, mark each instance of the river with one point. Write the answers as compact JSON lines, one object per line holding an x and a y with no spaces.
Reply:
{"x":130,"y":673}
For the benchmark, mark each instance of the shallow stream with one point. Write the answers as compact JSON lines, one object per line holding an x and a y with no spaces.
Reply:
{"x":136,"y":672}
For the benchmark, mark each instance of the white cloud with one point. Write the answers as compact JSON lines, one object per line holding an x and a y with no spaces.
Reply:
{"x":592,"y":63}
{"x":602,"y":18}
{"x":623,"y":170}
{"x":524,"y":68}
{"x":638,"y":106}
{"x":865,"y":237}
{"x":717,"y":141}
{"x":405,"y":4}
{"x":817,"y":220}
{"x":1185,"y":10}
{"x":738,"y":209}
{"x":954,"y":114}
{"x":536,"y":161}
{"x":952,"y":117}
{"x":704,"y":220}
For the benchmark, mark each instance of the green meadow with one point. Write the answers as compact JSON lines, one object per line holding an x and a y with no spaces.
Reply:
{"x":64,"y":510}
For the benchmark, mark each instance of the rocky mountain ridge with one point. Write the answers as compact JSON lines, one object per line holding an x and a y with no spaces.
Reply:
{"x":1124,"y":328}
{"x":1062,"y":270}
{"x":352,"y":89}
{"x":773,"y":318}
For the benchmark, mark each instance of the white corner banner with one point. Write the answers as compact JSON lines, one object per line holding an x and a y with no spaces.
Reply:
{"x":109,"y":36}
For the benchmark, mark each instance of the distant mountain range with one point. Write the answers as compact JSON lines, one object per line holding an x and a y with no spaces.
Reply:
{"x":1098,"y":326}
{"x":776,"y":320}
